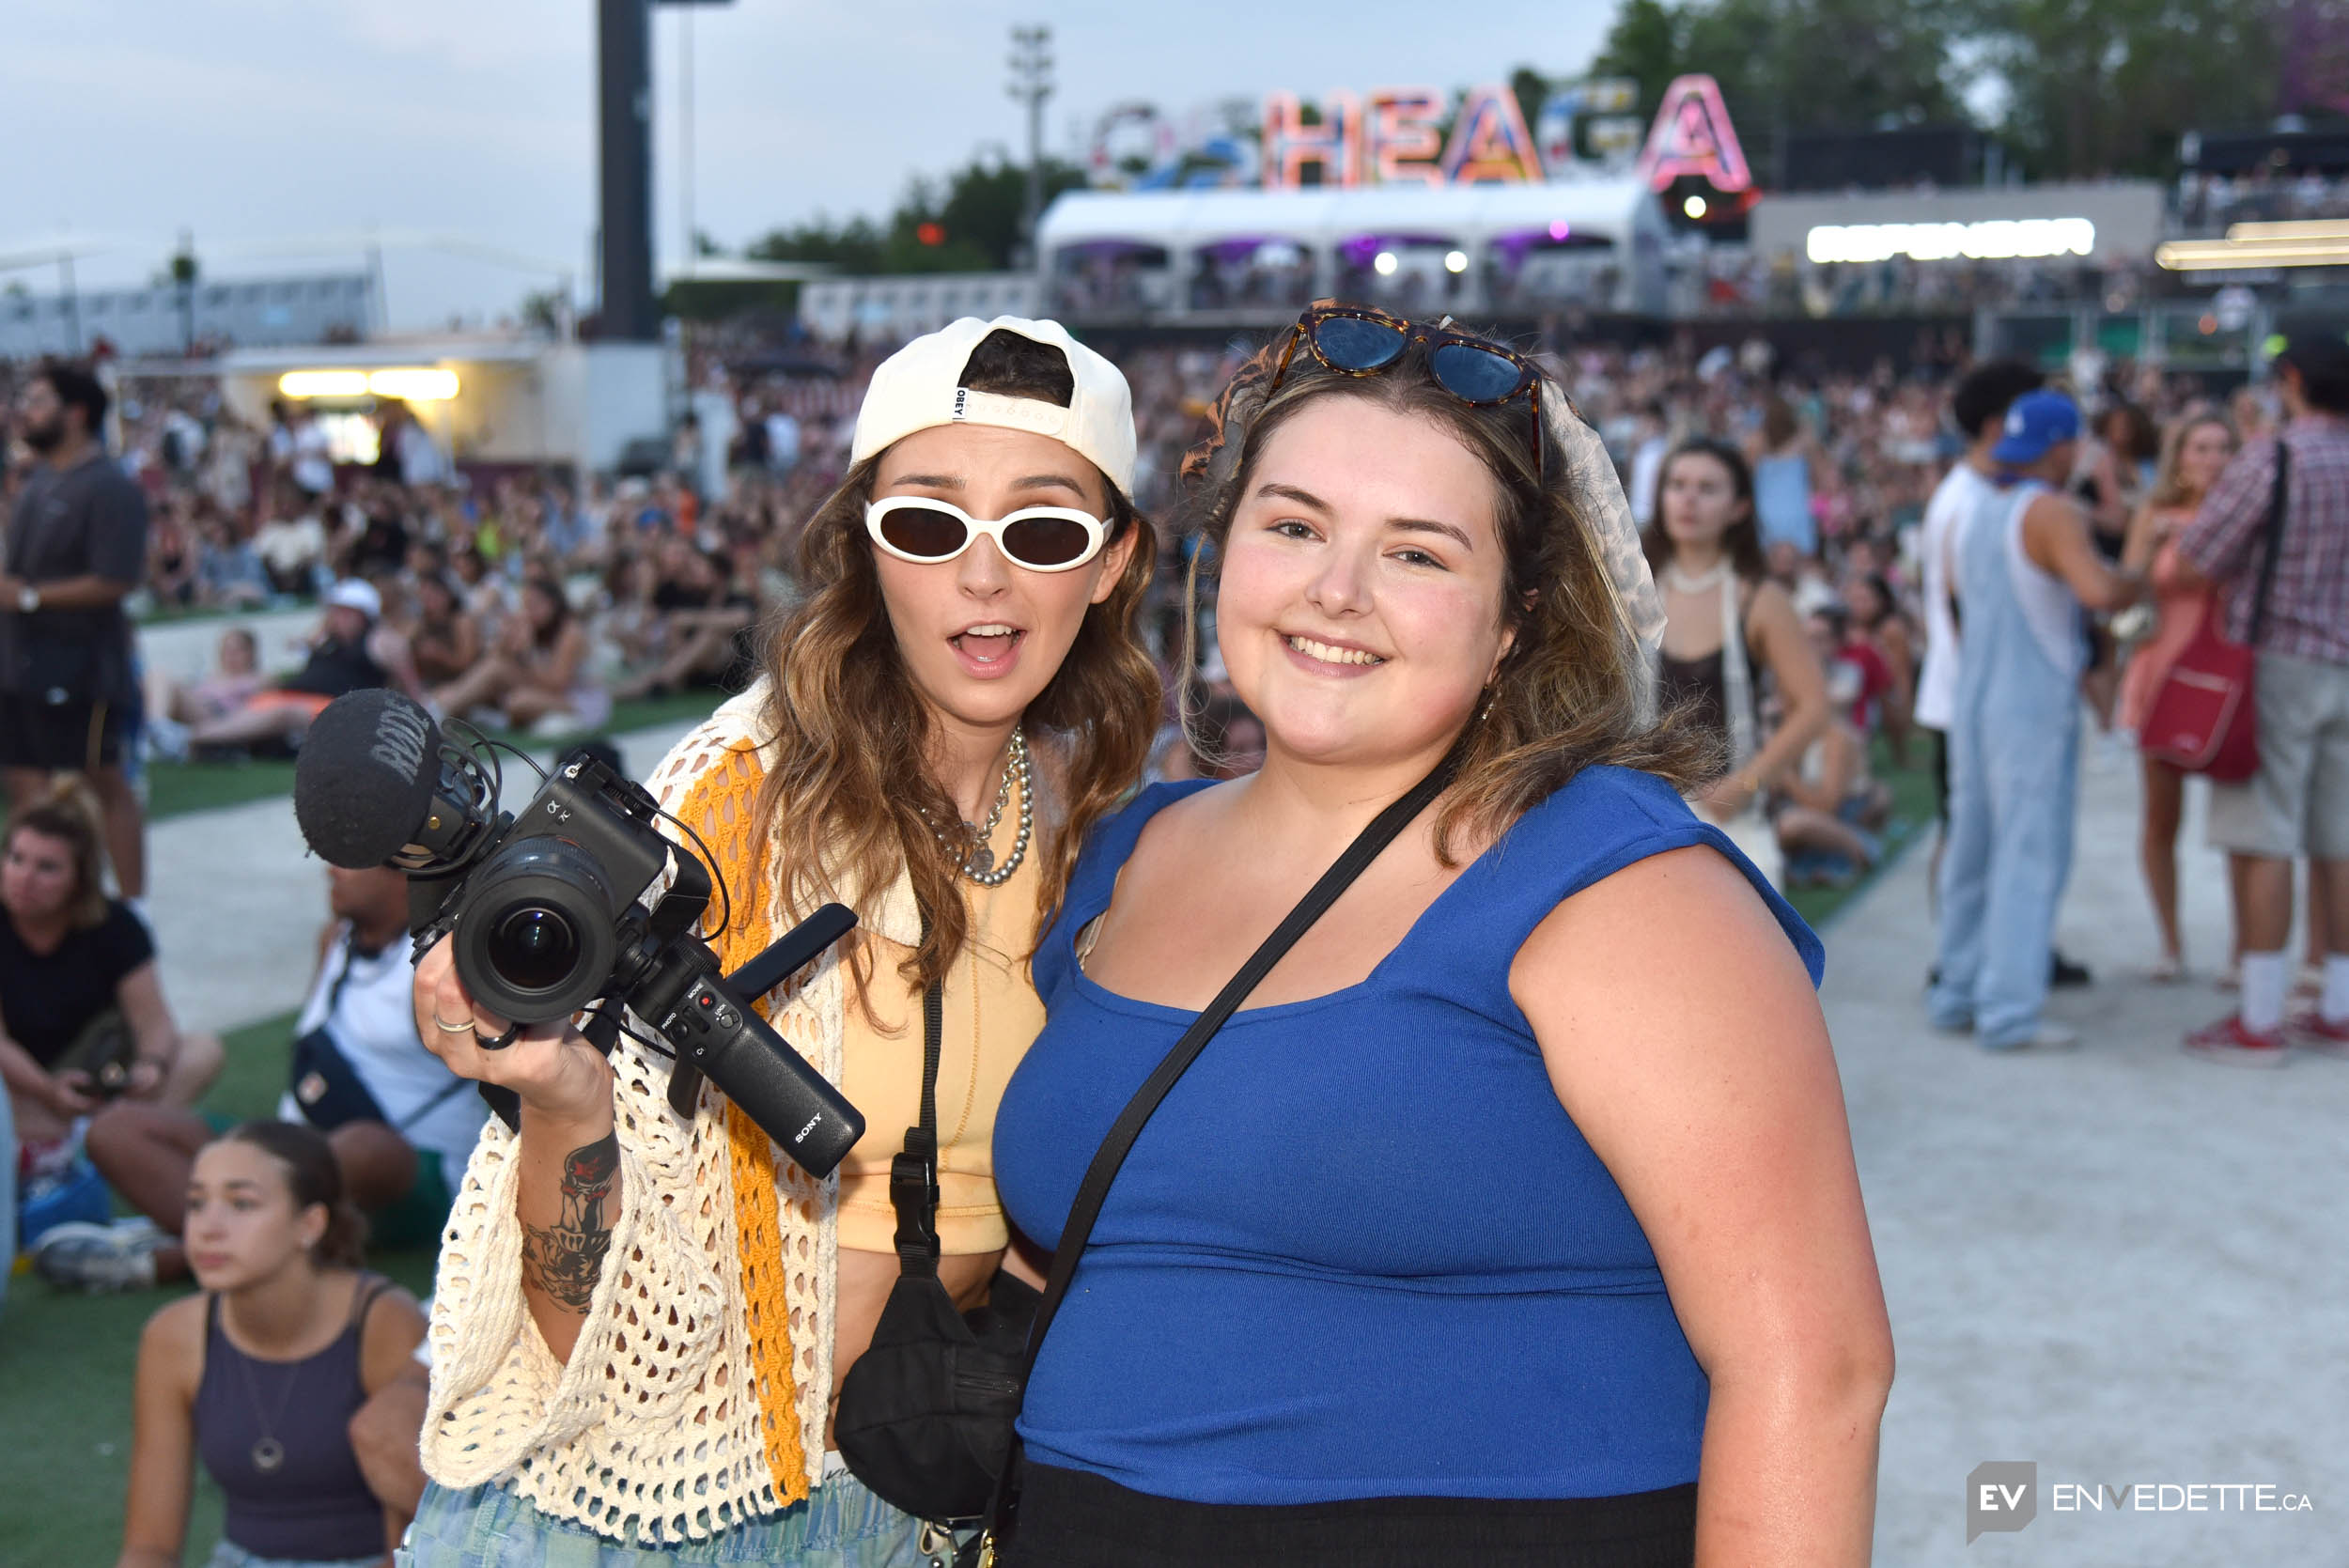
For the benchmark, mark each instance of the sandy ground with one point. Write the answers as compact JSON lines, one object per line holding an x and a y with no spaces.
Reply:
{"x":2125,"y":1263}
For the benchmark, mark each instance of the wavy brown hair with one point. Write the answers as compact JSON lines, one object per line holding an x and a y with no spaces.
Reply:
{"x":853,"y":781}
{"x":1568,"y":694}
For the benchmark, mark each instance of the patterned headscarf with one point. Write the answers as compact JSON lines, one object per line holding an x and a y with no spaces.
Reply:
{"x":1599,"y":503}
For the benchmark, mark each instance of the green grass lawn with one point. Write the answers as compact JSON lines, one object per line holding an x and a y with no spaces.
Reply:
{"x":66,"y":1367}
{"x":176,"y":788}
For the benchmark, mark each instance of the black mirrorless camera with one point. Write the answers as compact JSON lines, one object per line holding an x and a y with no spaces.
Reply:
{"x":545,"y":908}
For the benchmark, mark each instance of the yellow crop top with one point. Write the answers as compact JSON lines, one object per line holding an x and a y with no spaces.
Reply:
{"x":991,"y":1016}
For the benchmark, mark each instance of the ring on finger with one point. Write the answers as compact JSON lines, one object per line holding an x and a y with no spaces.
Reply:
{"x":447,"y":1027}
{"x":499,"y":1043}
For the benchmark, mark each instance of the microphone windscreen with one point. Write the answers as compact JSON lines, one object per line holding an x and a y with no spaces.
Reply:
{"x":364,"y":779}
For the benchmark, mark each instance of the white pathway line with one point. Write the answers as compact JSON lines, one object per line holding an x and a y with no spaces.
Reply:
{"x":2125,"y":1263}
{"x":237,"y":900}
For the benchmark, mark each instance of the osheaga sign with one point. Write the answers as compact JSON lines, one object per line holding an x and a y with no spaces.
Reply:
{"x":2002,"y":1494}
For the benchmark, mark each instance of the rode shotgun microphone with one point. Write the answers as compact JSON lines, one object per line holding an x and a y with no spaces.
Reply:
{"x":374,"y":785}
{"x":577,"y":907}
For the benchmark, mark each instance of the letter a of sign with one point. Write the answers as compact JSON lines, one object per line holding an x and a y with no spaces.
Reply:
{"x":1489,"y":143}
{"x":1693,"y":135}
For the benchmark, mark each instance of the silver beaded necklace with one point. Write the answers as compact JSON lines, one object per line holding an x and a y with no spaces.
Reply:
{"x":979,"y":862}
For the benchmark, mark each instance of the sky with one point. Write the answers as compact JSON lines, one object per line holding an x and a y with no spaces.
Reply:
{"x":247,"y":122}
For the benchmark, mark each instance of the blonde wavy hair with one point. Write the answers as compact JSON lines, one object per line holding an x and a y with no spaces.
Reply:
{"x":847,"y":795}
{"x":1571,"y":692}
{"x":2169,"y":489}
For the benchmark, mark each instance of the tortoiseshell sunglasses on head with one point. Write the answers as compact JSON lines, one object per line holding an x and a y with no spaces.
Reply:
{"x":1357,"y":340}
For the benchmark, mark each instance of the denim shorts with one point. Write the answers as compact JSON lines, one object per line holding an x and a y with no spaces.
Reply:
{"x":229,"y":1555}
{"x":840,"y":1525}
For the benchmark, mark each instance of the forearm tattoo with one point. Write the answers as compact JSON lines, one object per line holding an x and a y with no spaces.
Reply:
{"x":566,"y":1259}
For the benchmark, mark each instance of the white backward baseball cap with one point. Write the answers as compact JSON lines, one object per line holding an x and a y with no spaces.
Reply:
{"x":353,"y":593}
{"x":917,"y":389}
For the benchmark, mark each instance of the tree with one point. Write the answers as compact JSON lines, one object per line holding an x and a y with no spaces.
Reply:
{"x":967,"y":223}
{"x":2090,"y":87}
{"x":1791,"y":64}
{"x":2102,"y":88}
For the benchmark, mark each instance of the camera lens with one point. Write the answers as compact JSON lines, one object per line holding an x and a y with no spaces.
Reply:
{"x":537,"y":938}
{"x":534,"y":948}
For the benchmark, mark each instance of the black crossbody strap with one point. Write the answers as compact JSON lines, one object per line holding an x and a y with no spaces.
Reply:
{"x":913,"y":1172}
{"x":1120,"y":1139}
{"x":2275,"y":541}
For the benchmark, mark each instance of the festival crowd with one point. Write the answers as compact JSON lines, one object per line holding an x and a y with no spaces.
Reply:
{"x":1817,"y":534}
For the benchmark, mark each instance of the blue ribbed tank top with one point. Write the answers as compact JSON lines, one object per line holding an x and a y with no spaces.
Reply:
{"x":1362,"y":1250}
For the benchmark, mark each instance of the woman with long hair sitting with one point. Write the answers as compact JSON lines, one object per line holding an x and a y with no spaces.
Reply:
{"x":1512,"y":1218}
{"x":82,"y":1011}
{"x":539,"y":668}
{"x":259,"y":1374}
{"x":643,"y":1318}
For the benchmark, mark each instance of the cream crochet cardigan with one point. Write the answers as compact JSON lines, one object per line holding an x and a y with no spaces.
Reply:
{"x":653,"y":1429}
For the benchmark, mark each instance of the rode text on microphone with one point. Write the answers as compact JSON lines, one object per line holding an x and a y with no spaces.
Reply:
{"x":545,"y":908}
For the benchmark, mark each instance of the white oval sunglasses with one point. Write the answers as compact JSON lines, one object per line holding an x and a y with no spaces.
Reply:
{"x":1041,"y":539}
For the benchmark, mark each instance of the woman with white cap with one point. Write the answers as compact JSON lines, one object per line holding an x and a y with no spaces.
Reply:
{"x":643,"y":1319}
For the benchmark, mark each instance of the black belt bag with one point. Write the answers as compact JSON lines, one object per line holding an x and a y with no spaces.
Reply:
{"x":926,"y":1418}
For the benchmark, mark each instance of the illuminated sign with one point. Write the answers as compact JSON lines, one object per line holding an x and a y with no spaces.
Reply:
{"x":1693,"y":137}
{"x":1394,"y":135}
{"x":1998,"y":240}
{"x":2323,"y":242}
{"x":413,"y":384}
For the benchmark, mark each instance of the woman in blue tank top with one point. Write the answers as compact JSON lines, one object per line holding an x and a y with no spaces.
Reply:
{"x":259,"y":1374}
{"x":1514,"y":1218}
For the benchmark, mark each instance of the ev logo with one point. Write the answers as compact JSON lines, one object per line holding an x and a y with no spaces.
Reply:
{"x":2002,"y":1494}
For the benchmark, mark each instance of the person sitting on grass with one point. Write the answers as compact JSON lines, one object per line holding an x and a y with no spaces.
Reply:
{"x":704,"y":618}
{"x":444,"y":639}
{"x":261,"y":1375}
{"x":538,"y":672}
{"x":352,"y":650}
{"x":174,"y":706}
{"x":400,"y":1125}
{"x":82,"y":1012}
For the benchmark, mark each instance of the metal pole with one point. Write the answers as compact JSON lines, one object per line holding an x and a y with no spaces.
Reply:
{"x":379,"y":296}
{"x":72,"y":303}
{"x":1032,"y":84}
{"x":183,"y":272}
{"x":685,"y":136}
{"x":624,"y":104}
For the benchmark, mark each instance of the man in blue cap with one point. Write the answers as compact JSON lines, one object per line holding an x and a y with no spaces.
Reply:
{"x":2019,"y":572}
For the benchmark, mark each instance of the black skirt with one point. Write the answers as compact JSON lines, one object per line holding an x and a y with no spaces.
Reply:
{"x":1076,"y":1519}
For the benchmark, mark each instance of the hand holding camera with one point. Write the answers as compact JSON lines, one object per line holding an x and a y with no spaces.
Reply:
{"x":552,"y":1069}
{"x":529,"y":923}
